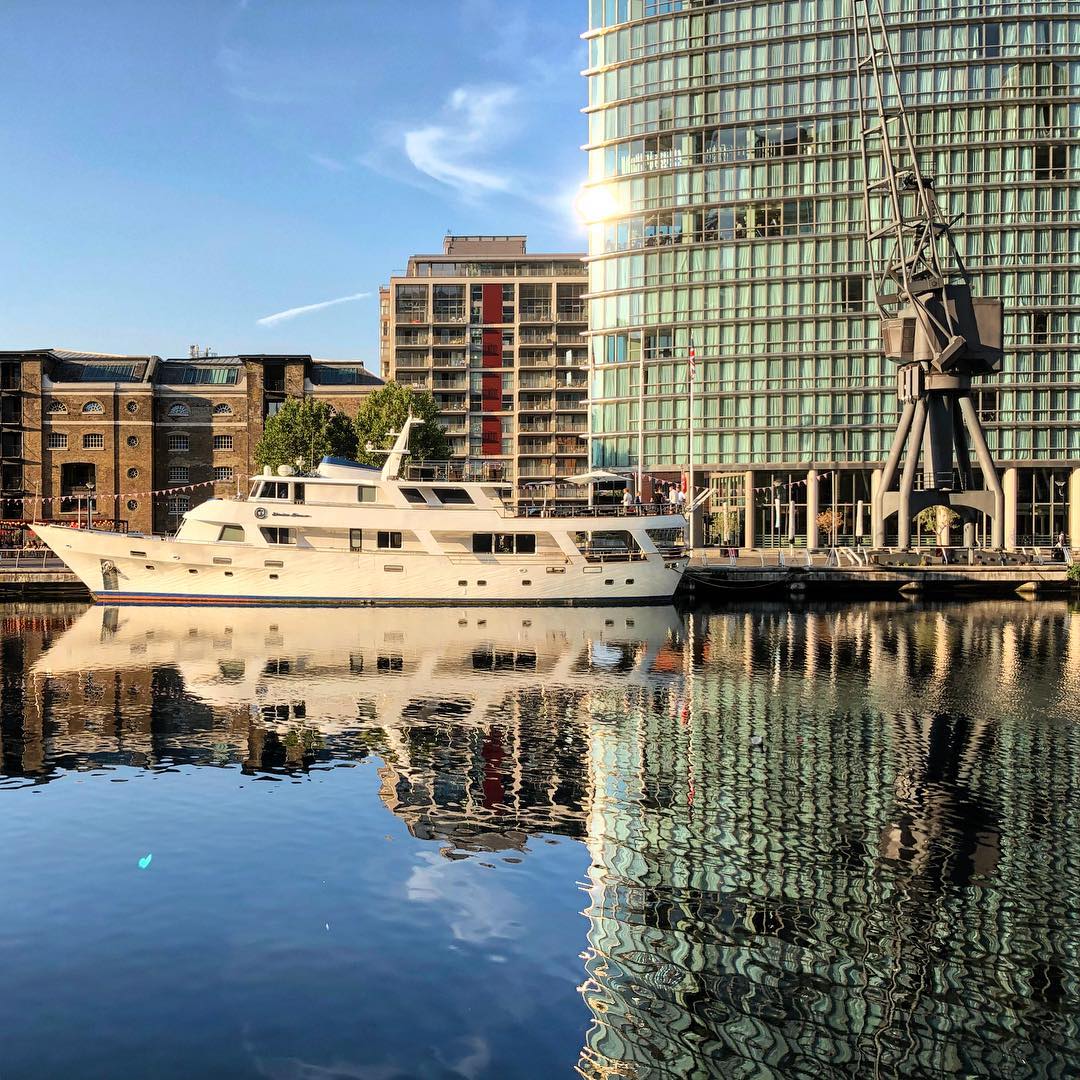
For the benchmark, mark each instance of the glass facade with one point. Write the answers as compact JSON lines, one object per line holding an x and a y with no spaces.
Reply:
{"x":726,"y":188}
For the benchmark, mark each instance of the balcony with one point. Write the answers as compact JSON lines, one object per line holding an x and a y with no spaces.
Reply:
{"x":456,"y":362}
{"x":535,"y":359}
{"x":564,"y":337}
{"x":412,"y":338}
{"x":443,"y":383}
{"x":535,"y":404}
{"x":449,"y":337}
{"x":532,"y":381}
{"x":538,"y":468}
{"x":534,"y":446}
{"x":526,"y":427}
{"x":565,"y":404}
{"x":569,"y":446}
{"x":571,"y":427}
{"x":535,"y":313}
{"x":410,"y":313}
{"x":450,"y":403}
{"x":570,"y":313}
{"x":411,"y":362}
{"x":535,"y":337}
{"x":448,"y":313}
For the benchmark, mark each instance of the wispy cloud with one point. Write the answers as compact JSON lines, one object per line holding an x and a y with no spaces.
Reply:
{"x":295,"y":312}
{"x":324,"y":161}
{"x":446,"y":151}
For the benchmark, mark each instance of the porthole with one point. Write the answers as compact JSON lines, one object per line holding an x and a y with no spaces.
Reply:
{"x":273,"y":577}
{"x":609,"y":581}
{"x":526,"y":582}
{"x":463,"y":583}
{"x":133,"y":474}
{"x":193,"y":571}
{"x":133,"y":440}
{"x":629,"y":581}
{"x":133,"y":504}
{"x":481,"y":583}
{"x":132,"y":406}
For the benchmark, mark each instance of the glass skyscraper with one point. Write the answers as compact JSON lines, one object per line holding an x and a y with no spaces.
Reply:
{"x":725,"y":206}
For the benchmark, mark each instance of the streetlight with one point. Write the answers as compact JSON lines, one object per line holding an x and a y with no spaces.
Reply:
{"x":90,"y":489}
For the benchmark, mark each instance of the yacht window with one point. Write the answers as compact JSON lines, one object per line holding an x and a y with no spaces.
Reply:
{"x":273,"y":490}
{"x":504,"y":543}
{"x":298,"y":493}
{"x":413,"y":495}
{"x":389,"y":540}
{"x":274,"y":535}
{"x":233,"y":534}
{"x":356,"y":538}
{"x":452,"y":495}
{"x":366,"y":494}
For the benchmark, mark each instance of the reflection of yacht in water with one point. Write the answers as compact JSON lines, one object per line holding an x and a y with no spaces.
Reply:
{"x":350,"y":534}
{"x":330,"y":659}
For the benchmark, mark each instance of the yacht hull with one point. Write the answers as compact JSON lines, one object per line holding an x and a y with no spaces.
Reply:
{"x":130,"y":569}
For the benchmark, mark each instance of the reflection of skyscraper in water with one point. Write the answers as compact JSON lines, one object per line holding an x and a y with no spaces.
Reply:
{"x":840,"y":900}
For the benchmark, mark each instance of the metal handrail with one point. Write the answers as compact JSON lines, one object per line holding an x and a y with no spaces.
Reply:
{"x":28,"y":559}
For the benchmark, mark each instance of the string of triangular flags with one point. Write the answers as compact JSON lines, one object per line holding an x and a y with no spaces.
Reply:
{"x":99,"y":496}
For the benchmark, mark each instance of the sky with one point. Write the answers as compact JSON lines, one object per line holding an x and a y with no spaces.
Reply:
{"x":243,"y":175}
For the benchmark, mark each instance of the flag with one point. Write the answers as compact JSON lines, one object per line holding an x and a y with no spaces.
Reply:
{"x":693,"y":359}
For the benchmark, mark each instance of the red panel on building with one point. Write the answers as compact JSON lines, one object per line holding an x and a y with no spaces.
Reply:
{"x":492,"y":303}
{"x":491,"y":389}
{"x":492,"y":443}
{"x":492,"y":348}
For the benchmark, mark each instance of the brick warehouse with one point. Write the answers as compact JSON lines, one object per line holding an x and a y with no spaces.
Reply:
{"x":81,"y":429}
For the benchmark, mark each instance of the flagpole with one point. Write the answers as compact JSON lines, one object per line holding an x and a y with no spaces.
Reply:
{"x":690,"y":449}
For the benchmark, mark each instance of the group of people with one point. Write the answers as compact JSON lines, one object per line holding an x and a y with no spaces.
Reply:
{"x":671,"y":495}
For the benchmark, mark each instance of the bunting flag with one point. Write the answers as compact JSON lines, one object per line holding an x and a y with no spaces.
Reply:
{"x":101,"y":496}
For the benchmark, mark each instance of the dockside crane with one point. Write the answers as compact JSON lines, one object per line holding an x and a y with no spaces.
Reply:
{"x":941,"y":336}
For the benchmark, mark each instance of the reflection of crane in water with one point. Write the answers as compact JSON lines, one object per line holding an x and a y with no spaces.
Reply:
{"x":939,"y":334}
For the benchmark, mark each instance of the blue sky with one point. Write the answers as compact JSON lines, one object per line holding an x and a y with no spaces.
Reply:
{"x":173,"y":172}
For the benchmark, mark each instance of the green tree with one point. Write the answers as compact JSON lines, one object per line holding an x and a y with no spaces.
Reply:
{"x":302,"y":432}
{"x":385,"y":411}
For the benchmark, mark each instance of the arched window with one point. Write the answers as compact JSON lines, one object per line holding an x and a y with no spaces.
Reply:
{"x":56,"y":408}
{"x":93,"y":407}
{"x":223,"y":410}
{"x":178,"y":410}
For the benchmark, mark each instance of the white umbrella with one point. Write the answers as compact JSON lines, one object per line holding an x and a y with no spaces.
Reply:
{"x":596,"y":477}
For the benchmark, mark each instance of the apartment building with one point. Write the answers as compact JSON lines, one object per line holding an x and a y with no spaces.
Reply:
{"x":91,"y":435}
{"x":496,"y":334}
{"x":724,"y":173}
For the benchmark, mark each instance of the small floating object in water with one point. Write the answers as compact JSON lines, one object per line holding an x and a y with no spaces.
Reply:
{"x":144,"y":862}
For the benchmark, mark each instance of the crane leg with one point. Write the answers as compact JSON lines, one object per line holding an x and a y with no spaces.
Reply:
{"x":907,"y":480}
{"x":991,"y":480}
{"x":888,"y":474}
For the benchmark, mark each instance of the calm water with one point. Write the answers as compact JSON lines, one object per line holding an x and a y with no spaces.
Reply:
{"x":754,"y":843}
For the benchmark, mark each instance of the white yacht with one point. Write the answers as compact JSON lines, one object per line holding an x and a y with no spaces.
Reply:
{"x":352,"y":534}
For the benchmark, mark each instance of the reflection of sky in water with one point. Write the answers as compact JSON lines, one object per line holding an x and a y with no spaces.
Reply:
{"x":503,"y":843}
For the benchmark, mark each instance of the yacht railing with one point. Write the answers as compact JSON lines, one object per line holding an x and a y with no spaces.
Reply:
{"x":615,"y":510}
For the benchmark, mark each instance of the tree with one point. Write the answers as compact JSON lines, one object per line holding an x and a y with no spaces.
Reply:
{"x":302,"y":432}
{"x":385,"y":411}
{"x":831,"y":522}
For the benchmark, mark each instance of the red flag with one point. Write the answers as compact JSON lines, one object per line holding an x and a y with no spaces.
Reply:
{"x":693,"y":359}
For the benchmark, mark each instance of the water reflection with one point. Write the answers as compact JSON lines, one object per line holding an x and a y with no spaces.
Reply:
{"x":838,"y":842}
